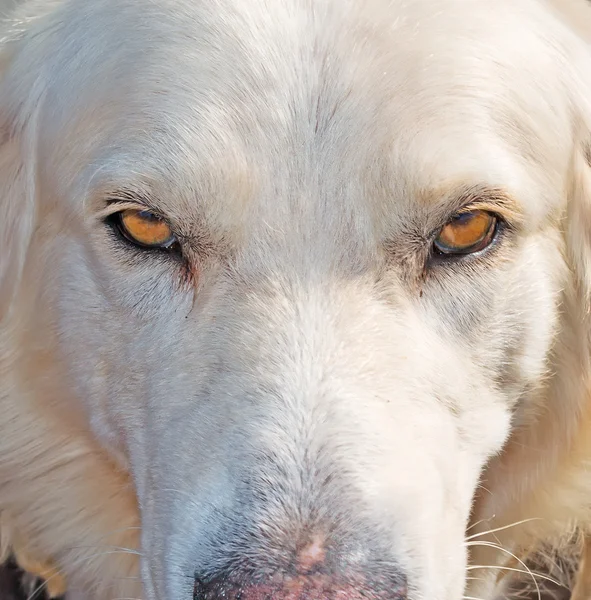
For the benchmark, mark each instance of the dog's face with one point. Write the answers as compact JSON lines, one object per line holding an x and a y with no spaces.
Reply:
{"x":299,"y":267}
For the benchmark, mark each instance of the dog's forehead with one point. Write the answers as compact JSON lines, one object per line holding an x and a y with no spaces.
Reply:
{"x":241,"y":99}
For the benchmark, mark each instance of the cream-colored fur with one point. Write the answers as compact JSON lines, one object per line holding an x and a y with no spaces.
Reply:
{"x":304,"y":367}
{"x":13,"y":544}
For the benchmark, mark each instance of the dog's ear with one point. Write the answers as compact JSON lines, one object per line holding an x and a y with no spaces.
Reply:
{"x":22,"y":88}
{"x":17,"y":216}
{"x":578,"y":221}
{"x":17,"y":183}
{"x":576,"y":14}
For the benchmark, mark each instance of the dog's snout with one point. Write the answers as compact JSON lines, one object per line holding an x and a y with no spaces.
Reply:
{"x":302,"y":587}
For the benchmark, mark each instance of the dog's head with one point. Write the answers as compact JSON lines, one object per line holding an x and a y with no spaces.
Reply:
{"x":297,"y":268}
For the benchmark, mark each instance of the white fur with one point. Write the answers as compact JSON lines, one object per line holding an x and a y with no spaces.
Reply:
{"x":305,"y":369}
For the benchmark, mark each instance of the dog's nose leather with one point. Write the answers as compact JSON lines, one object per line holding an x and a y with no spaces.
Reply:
{"x":315,"y":587}
{"x":315,"y":569}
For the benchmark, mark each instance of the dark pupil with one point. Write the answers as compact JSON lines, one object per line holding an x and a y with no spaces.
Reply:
{"x":463,"y":218}
{"x":146,"y":215}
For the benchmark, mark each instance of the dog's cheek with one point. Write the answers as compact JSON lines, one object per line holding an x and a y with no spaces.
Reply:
{"x":505,"y":313}
{"x":106,"y":326}
{"x":86,"y":342}
{"x":527,"y":314}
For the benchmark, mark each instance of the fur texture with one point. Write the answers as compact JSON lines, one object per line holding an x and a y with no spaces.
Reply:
{"x":305,"y":374}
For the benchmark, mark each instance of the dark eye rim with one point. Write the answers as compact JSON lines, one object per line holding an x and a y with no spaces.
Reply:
{"x":115,"y":222}
{"x":487,"y":242}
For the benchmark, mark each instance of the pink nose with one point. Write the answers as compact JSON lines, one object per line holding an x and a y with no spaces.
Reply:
{"x":315,"y":587}
{"x":297,"y":589}
{"x":312,"y":574}
{"x":300,"y":588}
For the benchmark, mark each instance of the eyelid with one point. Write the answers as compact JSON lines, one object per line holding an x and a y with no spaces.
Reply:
{"x":499,"y":207}
{"x":117,"y":206}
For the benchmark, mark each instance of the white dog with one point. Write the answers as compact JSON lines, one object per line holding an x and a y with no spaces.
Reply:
{"x":294,"y":295}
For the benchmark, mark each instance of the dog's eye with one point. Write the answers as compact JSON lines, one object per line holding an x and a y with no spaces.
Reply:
{"x":144,"y":228}
{"x":467,"y":233}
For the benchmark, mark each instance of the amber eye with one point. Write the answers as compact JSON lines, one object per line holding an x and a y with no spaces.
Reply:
{"x":145,"y":229}
{"x":467,"y":233}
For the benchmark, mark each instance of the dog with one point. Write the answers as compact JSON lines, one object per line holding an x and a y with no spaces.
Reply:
{"x":294,"y":296}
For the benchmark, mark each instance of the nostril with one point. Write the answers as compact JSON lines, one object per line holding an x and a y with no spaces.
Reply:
{"x":315,"y":587}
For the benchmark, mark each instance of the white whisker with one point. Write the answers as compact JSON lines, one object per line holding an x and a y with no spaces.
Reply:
{"x":528,"y":570}
{"x":476,"y":535}
{"x":478,"y":523}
